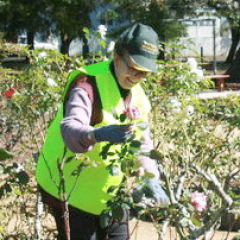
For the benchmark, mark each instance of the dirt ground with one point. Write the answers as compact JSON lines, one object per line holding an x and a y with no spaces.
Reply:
{"x":139,"y":230}
{"x":146,"y":231}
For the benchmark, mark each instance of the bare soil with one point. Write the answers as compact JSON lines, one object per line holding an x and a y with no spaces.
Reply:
{"x":146,"y":231}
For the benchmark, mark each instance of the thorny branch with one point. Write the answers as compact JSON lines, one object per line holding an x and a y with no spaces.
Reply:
{"x":174,"y":196}
{"x":63,"y":196}
{"x":211,"y":178}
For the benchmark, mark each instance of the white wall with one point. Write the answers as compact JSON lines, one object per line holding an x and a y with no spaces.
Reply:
{"x":201,"y":33}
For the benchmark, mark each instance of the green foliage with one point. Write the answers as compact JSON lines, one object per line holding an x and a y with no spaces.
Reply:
{"x":4,"y":154}
{"x":48,"y":17}
{"x":161,"y":15}
{"x":25,"y":116}
{"x":18,"y":15}
{"x":195,"y":139}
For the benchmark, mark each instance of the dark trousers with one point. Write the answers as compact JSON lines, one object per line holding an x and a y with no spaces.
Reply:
{"x":83,"y":226}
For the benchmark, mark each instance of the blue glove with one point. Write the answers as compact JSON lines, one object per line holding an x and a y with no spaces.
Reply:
{"x":113,"y":133}
{"x":150,"y":188}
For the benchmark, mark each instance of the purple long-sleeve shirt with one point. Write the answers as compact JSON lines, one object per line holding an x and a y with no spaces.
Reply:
{"x":75,"y":127}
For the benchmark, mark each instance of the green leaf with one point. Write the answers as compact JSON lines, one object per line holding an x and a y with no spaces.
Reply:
{"x":17,"y":192}
{"x":123,"y":117}
{"x":69,"y":159}
{"x":105,"y":219}
{"x":105,"y":150}
{"x":7,"y":187}
{"x":2,"y":230}
{"x":148,"y":174}
{"x":4,"y":154}
{"x":86,"y":30}
{"x":118,"y":213}
{"x":135,"y":144}
{"x":112,"y":188}
{"x":23,"y":177}
{"x":196,"y":222}
{"x":102,"y":43}
{"x":110,"y":153}
{"x":155,"y":154}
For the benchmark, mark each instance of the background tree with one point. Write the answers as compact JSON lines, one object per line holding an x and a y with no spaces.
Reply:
{"x":230,"y":10}
{"x":19,"y":15}
{"x":71,"y":17}
{"x":161,"y":15}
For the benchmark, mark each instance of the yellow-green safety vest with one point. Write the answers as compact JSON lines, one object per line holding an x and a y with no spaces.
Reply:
{"x":86,"y":189}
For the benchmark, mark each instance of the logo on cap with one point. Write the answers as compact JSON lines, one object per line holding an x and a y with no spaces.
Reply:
{"x":149,"y":47}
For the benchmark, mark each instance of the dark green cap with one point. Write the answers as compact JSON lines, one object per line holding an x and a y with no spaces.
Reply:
{"x":142,"y":44}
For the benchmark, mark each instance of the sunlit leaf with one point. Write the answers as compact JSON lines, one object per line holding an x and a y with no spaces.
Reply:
{"x":4,"y":154}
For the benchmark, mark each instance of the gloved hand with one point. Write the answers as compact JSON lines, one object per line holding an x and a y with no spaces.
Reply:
{"x":150,"y":188}
{"x":113,"y":133}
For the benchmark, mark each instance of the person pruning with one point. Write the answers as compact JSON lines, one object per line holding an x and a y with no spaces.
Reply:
{"x":84,"y":124}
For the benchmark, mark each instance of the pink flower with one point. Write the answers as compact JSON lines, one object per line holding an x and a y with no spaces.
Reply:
{"x":132,"y":113}
{"x":9,"y":93}
{"x":199,"y":200}
{"x":141,"y":172}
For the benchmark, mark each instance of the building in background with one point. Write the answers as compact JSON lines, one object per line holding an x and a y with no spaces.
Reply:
{"x":209,"y":37}
{"x":41,"y":40}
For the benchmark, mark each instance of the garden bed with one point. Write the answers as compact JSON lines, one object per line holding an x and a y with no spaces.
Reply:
{"x":147,"y":231}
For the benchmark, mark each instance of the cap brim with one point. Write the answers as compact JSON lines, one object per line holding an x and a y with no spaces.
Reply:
{"x":143,"y":63}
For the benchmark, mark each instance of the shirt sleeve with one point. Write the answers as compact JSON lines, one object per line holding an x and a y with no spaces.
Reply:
{"x":75,"y":126}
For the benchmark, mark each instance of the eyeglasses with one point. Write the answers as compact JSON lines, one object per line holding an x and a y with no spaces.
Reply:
{"x":134,"y":72}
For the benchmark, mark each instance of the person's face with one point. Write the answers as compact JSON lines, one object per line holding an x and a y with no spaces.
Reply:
{"x":126,"y":71}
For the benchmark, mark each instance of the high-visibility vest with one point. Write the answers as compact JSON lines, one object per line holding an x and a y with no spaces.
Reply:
{"x":86,"y":188}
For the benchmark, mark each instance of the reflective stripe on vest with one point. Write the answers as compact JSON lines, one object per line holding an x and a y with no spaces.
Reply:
{"x":86,"y":189}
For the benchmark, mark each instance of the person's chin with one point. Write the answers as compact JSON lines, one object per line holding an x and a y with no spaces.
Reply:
{"x":129,"y":83}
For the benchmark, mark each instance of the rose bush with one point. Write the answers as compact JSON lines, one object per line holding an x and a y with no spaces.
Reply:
{"x":28,"y":103}
{"x":196,"y":152}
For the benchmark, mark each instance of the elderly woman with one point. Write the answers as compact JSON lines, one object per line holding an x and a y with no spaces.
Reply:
{"x":85,"y":124}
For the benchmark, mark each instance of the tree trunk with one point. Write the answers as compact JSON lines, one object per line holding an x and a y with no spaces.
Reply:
{"x":30,"y":39}
{"x":235,"y":41}
{"x":11,"y":37}
{"x":85,"y":48}
{"x":65,"y":43}
{"x":161,"y":55}
{"x":234,"y":69}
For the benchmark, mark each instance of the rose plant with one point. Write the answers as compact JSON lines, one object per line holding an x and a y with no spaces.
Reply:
{"x":195,"y":152}
{"x":28,"y":103}
{"x":126,"y":159}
